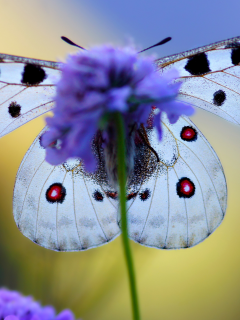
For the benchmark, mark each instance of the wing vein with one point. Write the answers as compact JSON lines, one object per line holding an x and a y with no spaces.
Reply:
{"x":57,"y":217}
{"x":13,"y":96}
{"x":30,"y":111}
{"x":94,"y":208}
{"x":36,"y":230}
{"x":28,"y":189}
{"x":150,"y":203}
{"x":185,"y":205}
{"x":189,"y":95}
{"x":230,"y":74}
{"x":222,"y":86}
{"x":201,"y":192}
{"x":3,"y":86}
{"x":74,"y":209}
{"x":165,"y":245}
{"x":26,"y":86}
{"x":206,"y":172}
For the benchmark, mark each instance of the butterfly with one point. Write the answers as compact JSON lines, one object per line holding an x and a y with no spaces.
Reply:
{"x":177,"y":195}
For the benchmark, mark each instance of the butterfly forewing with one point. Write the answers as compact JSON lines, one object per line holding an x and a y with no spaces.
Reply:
{"x":26,"y":90}
{"x":184,"y":201}
{"x":210,"y":77}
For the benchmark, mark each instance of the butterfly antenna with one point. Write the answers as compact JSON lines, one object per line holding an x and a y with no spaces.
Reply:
{"x":71,"y":42}
{"x":157,"y":44}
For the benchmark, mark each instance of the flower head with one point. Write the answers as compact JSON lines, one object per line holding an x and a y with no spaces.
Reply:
{"x":97,"y":83}
{"x":14,"y":306}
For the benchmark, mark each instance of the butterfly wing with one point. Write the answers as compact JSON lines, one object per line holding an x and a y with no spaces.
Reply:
{"x":26,"y":90}
{"x":210,"y":77}
{"x":184,"y":200}
{"x":61,"y":207}
{"x":180,"y":203}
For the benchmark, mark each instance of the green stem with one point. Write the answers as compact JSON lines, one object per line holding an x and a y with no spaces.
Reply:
{"x":121,"y":158}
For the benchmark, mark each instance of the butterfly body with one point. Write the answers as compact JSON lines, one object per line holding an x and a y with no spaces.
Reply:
{"x":175,"y":199}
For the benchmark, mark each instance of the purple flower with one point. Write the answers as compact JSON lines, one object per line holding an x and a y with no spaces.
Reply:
{"x":97,"y":83}
{"x":14,"y":306}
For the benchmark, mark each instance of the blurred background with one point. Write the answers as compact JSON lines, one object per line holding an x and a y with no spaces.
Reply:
{"x":198,"y":283}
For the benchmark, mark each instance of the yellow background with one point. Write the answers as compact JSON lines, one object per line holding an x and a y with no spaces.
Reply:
{"x":198,"y":283}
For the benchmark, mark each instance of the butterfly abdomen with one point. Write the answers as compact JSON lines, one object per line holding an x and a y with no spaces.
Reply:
{"x":110,"y":156}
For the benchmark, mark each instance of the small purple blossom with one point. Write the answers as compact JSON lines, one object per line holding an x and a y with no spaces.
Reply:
{"x":97,"y":83}
{"x":14,"y":306}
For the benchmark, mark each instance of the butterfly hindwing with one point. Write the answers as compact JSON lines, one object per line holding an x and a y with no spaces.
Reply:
{"x":178,"y":204}
{"x":210,"y":77}
{"x":60,"y":207}
{"x":26,"y":90}
{"x":184,"y":201}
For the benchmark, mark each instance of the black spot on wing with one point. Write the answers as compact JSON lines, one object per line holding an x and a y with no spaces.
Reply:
{"x":97,"y":195}
{"x":145,"y":195}
{"x":219,"y":97}
{"x":235,"y":56}
{"x":33,"y":74}
{"x":14,"y":109}
{"x":198,"y":64}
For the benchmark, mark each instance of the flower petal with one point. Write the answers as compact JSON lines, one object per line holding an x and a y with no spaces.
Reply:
{"x":101,"y":81}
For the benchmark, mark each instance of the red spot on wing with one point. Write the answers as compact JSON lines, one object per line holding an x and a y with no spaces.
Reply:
{"x":56,"y":193}
{"x":185,"y":188}
{"x":112,"y":194}
{"x":188,"y":134}
{"x":131,"y":195}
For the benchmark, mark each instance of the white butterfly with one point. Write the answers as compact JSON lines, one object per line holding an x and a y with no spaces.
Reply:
{"x":176,"y":198}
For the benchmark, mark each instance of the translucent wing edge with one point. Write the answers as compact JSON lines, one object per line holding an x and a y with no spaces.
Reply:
{"x":208,"y":143}
{"x":42,"y":63}
{"x":28,"y":116}
{"x":162,"y":62}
